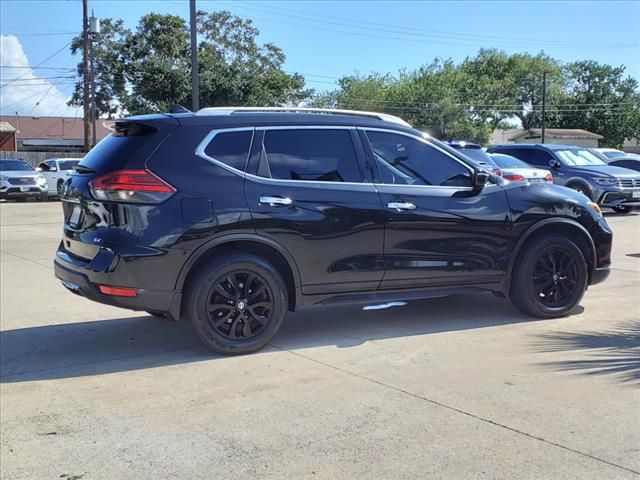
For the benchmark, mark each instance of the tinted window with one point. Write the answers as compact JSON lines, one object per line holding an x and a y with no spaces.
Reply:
{"x":631,"y":164}
{"x":308,"y":154}
{"x":531,"y":156}
{"x":231,"y":148}
{"x":68,"y":164}
{"x":408,"y":161}
{"x":15,"y":165}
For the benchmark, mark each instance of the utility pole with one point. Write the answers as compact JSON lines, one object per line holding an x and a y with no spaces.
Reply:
{"x":195,"y":92}
{"x":85,"y":75}
{"x":544,"y":103}
{"x":94,"y":30}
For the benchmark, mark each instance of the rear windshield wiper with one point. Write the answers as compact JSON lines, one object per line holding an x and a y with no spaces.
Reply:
{"x":82,"y":169}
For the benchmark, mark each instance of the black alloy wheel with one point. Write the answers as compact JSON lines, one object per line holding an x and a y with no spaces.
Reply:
{"x":555,"y":277}
{"x":236,"y":303}
{"x":240,"y":305}
{"x":550,"y":277}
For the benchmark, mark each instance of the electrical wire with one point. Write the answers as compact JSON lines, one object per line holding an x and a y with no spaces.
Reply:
{"x":42,"y":62}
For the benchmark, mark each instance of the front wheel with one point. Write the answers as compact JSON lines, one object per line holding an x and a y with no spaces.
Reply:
{"x":550,"y":278}
{"x":622,"y":209}
{"x":237,"y":303}
{"x":578,"y":187}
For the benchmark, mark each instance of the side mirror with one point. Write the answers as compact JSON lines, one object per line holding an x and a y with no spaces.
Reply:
{"x":553,"y":163}
{"x":480,"y":179}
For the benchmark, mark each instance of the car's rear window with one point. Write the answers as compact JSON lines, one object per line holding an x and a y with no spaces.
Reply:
{"x":507,"y":161}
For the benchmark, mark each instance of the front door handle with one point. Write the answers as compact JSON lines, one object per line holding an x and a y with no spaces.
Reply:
{"x":275,"y":201}
{"x":401,"y":206}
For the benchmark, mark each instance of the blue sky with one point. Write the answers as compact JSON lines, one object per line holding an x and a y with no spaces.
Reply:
{"x":326,"y":39}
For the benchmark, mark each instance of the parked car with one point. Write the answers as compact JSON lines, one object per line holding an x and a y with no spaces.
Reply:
{"x":19,"y":181}
{"x":579,"y":169}
{"x":628,"y":162}
{"x":244,"y":214}
{"x":56,"y":170}
{"x":516,"y":170}
{"x":607,"y":154}
{"x":476,"y":153}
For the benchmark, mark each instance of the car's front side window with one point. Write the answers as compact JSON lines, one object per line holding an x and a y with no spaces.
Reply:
{"x":308,"y":154}
{"x":403,"y":160}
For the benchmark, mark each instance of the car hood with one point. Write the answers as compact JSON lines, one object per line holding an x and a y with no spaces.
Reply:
{"x":618,"y":172}
{"x":19,"y":173}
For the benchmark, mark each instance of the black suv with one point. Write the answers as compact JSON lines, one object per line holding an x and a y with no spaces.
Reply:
{"x":231,"y":217}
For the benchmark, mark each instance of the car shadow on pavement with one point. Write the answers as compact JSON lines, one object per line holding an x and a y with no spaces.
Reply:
{"x":124,"y":344}
{"x":613,"y":352}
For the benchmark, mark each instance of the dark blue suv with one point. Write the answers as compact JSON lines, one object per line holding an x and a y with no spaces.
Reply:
{"x":231,"y":217}
{"x":577,"y":168}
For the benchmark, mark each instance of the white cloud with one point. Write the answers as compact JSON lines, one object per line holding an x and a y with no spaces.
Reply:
{"x":26,"y":91}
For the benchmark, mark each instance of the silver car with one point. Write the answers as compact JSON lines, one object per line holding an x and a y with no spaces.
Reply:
{"x":518,"y":171}
{"x":19,"y":181}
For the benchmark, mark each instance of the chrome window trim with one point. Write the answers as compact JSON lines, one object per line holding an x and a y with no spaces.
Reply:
{"x":202,"y":146}
{"x":200,"y":152}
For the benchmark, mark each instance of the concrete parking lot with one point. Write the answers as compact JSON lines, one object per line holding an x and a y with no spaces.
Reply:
{"x":458,"y":387}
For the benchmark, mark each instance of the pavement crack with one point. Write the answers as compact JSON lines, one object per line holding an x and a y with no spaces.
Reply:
{"x":458,"y":410}
{"x":28,"y":260}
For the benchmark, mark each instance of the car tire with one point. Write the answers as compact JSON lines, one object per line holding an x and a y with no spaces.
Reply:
{"x":550,"y":278}
{"x":59,"y":188}
{"x":622,"y":209}
{"x":583,"y":189}
{"x":236,"y":303}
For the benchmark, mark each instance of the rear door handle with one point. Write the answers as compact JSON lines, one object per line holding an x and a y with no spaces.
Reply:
{"x":401,"y":206}
{"x":275,"y":201}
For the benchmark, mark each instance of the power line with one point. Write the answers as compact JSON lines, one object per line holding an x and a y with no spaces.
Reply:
{"x":39,"y":68}
{"x":42,"y":34}
{"x":421,"y":36}
{"x":42,"y":62}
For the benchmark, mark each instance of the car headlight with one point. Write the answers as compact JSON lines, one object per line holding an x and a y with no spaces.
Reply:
{"x":596,"y":208}
{"x":606,"y":180}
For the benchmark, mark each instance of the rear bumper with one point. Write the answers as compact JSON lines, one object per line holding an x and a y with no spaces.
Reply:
{"x":83,"y":278}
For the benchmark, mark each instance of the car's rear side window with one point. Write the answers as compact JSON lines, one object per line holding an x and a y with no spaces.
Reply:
{"x":231,"y":148}
{"x":309,"y":155}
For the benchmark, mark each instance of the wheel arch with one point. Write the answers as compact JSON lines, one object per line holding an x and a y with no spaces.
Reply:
{"x":566,"y":226}
{"x":582,"y":182}
{"x":266,"y":248}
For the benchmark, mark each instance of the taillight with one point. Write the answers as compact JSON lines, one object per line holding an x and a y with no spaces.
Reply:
{"x":496,"y":171}
{"x":138,"y":186}
{"x":514,"y":177}
{"x":548,"y":178}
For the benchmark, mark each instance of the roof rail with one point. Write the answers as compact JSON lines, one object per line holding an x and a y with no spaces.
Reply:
{"x":326,"y":111}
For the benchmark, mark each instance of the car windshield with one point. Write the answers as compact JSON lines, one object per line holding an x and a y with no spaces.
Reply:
{"x":15,"y":165}
{"x":577,"y":157}
{"x":68,"y":164}
{"x":507,"y":161}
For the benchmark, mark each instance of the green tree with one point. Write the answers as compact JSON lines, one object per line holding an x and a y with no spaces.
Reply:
{"x":147,"y":69}
{"x":599,"y":98}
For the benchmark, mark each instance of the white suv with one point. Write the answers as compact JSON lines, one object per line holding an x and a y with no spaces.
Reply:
{"x":56,"y":171}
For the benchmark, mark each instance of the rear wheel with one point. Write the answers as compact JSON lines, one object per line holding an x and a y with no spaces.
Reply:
{"x":237,"y":303}
{"x":60,"y":187}
{"x":550,"y":278}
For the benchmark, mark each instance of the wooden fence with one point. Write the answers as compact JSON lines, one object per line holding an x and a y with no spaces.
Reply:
{"x":34,"y":158}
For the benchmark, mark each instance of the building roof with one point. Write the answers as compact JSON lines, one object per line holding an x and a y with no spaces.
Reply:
{"x":6,"y":127}
{"x":568,"y":133}
{"x":61,"y":128}
{"x":499,"y":135}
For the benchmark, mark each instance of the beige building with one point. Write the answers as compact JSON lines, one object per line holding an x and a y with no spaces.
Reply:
{"x":570,"y":136}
